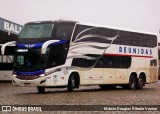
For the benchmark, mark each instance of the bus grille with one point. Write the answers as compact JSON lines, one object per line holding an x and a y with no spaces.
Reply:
{"x":27,"y":77}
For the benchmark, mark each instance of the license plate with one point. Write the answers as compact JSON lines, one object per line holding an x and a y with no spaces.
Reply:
{"x":27,"y":84}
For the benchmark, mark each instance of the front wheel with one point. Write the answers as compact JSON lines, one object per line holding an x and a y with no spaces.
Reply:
{"x":71,"y":83}
{"x":41,"y":89}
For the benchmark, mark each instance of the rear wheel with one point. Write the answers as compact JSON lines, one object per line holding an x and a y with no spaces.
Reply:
{"x":132,"y":82}
{"x":71,"y":83}
{"x":41,"y":89}
{"x":140,"y":82}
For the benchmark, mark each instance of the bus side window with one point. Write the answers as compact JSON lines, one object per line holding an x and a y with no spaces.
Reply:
{"x":147,"y":41}
{"x":64,"y":31}
{"x":154,"y":41}
{"x":79,"y":29}
{"x":100,"y":63}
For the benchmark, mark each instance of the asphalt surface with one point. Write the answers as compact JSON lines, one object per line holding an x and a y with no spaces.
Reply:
{"x":86,"y":95}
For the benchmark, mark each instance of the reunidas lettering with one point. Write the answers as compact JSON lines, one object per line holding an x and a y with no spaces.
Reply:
{"x":133,"y":50}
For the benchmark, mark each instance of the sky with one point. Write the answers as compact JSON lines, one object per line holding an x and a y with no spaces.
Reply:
{"x":139,"y":15}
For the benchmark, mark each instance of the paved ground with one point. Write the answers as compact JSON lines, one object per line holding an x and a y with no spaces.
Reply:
{"x":86,"y":95}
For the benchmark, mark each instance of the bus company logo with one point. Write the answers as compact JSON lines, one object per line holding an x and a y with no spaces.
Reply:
{"x":135,"y":50}
{"x":29,"y":45}
{"x":6,"y":108}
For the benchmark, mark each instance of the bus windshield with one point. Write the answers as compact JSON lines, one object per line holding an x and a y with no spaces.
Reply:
{"x":29,"y":60}
{"x":36,"y":31}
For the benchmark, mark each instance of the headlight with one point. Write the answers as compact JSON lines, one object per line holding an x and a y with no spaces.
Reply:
{"x":14,"y":75}
{"x":41,"y":75}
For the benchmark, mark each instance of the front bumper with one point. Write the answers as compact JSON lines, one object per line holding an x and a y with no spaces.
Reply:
{"x":41,"y":81}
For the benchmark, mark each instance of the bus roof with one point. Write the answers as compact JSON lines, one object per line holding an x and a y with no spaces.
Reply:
{"x":89,"y":24}
{"x":52,"y":21}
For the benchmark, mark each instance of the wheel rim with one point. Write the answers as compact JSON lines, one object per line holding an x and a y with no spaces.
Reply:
{"x":132,"y":83}
{"x":73,"y":83}
{"x":141,"y":81}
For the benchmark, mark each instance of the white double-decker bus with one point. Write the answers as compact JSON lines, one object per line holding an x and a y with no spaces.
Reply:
{"x":70,"y":54}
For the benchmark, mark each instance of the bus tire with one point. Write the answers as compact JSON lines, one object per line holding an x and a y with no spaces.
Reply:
{"x":41,"y":89}
{"x":140,"y":82}
{"x":71,"y":83}
{"x":132,"y":82}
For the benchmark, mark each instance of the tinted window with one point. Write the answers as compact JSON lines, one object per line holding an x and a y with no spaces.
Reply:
{"x":64,"y":31}
{"x":154,"y":41}
{"x":126,"y":38}
{"x":81,"y":31}
{"x":29,"y":60}
{"x":136,"y":39}
{"x":114,"y":62}
{"x":84,"y":63}
{"x":104,"y":62}
{"x":57,"y":55}
{"x":147,"y":41}
{"x":94,"y":34}
{"x":100,"y":32}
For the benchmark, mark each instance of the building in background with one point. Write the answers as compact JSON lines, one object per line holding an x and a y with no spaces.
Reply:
{"x":8,"y":32}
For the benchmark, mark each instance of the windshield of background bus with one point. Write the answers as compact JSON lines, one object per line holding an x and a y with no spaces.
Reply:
{"x":36,"y":31}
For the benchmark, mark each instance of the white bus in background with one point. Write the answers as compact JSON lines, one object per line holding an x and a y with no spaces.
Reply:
{"x":6,"y":64}
{"x":8,"y":32}
{"x":70,"y":54}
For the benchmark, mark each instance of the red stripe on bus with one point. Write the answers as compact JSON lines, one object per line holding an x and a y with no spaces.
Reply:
{"x":110,"y":54}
